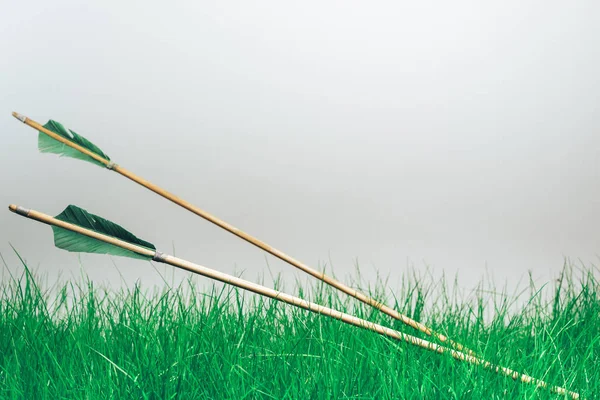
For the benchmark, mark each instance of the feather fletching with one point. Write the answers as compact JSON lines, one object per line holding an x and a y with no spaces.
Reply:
{"x":47,"y":144}
{"x":72,"y":241}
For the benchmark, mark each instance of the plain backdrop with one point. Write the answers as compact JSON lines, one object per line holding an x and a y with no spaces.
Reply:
{"x":459,"y":138}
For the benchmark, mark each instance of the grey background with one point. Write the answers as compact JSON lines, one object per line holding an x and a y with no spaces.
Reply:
{"x":457,"y":137}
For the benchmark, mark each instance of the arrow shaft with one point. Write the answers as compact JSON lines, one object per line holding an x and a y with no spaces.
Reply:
{"x":292,"y":300}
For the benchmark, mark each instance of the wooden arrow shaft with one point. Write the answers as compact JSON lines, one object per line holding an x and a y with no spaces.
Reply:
{"x":292,"y":300}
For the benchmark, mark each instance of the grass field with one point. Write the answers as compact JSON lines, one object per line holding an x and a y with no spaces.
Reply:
{"x":77,"y":341}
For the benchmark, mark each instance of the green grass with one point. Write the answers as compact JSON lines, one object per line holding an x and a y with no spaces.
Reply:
{"x":76,"y":341}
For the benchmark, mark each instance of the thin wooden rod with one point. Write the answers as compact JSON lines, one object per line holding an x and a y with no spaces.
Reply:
{"x":250,"y":239}
{"x":292,"y":300}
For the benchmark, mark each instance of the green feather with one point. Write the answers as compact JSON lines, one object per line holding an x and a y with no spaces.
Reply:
{"x":76,"y":242}
{"x":46,"y":144}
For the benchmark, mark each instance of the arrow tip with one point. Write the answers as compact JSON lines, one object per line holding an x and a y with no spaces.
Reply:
{"x":20,"y":117}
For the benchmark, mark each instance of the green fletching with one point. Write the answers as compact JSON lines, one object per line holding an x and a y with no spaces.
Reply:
{"x":72,"y":241}
{"x":46,"y":144}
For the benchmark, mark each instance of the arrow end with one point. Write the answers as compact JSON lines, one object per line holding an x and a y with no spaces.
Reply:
{"x":19,"y":210}
{"x":20,"y":117}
